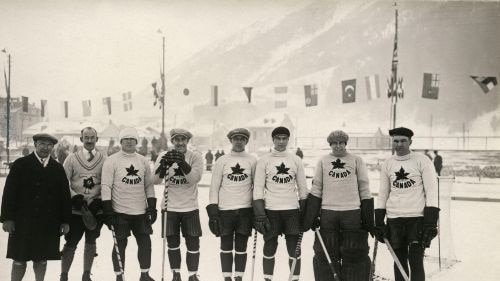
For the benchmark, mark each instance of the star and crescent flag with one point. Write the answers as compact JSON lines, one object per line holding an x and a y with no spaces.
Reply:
{"x":430,"y":88}
{"x":487,"y":83}
{"x":349,"y":91}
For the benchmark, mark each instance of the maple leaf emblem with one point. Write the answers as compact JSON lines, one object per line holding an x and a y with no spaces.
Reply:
{"x":337,"y":164}
{"x":88,"y":183}
{"x":401,"y":175}
{"x":282,"y":169}
{"x":131,"y":171}
{"x":237,"y":170}
{"x":178,"y":172}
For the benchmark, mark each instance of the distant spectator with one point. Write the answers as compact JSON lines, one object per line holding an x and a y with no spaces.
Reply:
{"x":75,"y":148}
{"x":222,"y":152}
{"x":438,"y":162}
{"x":210,"y":158}
{"x":299,"y":153}
{"x":217,"y":155}
{"x":426,"y":152}
{"x":26,"y":151}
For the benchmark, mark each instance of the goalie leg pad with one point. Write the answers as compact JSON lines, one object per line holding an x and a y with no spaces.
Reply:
{"x":354,"y":245}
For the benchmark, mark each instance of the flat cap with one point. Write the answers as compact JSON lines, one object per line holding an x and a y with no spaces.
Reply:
{"x":280,"y":131}
{"x":401,"y":131}
{"x":338,"y":136}
{"x":180,"y":132}
{"x":44,"y":136}
{"x":238,"y":132}
{"x":128,"y":133}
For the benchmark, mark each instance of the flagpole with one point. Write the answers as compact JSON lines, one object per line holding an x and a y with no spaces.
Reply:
{"x":7,"y":89}
{"x":394,"y":69}
{"x":163,"y":91}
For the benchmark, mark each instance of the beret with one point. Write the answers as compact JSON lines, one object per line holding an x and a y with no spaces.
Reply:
{"x":338,"y":135}
{"x":280,"y":131}
{"x":238,"y":132}
{"x":128,"y":133}
{"x":180,"y":132}
{"x":401,"y":131}
{"x":44,"y":136}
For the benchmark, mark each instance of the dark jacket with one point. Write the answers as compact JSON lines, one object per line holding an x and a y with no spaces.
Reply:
{"x":38,"y":200}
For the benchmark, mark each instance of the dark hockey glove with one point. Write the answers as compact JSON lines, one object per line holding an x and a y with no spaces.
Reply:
{"x":315,"y":224}
{"x":165,"y":163}
{"x":431,"y":216}
{"x":313,"y":207}
{"x":214,"y":222}
{"x":108,"y":213}
{"x":367,"y":216}
{"x":262,"y":223}
{"x":95,"y":206}
{"x":77,"y":201}
{"x":380,"y":230}
{"x":151,"y":212}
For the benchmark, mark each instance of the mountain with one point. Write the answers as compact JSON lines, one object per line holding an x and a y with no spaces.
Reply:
{"x":326,"y":42}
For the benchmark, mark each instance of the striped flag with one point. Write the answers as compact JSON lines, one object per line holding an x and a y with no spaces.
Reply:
{"x":127,"y":101}
{"x":430,"y":89}
{"x":486,"y":83}
{"x":25,"y":104}
{"x":372,"y":87}
{"x":43,"y":105}
{"x":280,"y":97}
{"x":86,"y":108}
{"x":215,"y":95}
{"x":107,"y":104}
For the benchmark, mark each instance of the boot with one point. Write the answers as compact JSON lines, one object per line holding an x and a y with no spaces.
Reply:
{"x":238,"y":278}
{"x":86,"y":276}
{"x":228,"y":279}
{"x":193,"y":277}
{"x":64,"y":276}
{"x":176,"y":276}
{"x":145,"y":277}
{"x":119,"y":277}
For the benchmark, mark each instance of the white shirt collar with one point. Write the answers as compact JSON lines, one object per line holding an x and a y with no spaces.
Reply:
{"x":86,"y":152}
{"x":45,"y":160}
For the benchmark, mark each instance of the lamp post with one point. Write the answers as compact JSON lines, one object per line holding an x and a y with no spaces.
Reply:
{"x":7,"y":89}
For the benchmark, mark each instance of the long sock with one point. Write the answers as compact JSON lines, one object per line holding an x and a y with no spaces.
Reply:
{"x":416,"y":260}
{"x":18,"y":270}
{"x":88,"y":256}
{"x":67,"y":258}
{"x":174,"y":252}
{"x":144,"y":251}
{"x":226,"y":255}
{"x":402,"y":254}
{"x":270,"y":247}
{"x":291,"y":245}
{"x":240,"y":254}
{"x":192,"y":254}
{"x":39,"y":267}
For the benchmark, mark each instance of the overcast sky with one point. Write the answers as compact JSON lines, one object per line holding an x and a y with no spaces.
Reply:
{"x":64,"y":49}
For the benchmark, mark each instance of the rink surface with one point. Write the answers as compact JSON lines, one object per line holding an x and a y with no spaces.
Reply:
{"x":475,"y":226}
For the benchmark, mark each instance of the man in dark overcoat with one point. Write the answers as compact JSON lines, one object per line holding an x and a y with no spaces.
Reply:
{"x":36,"y":209}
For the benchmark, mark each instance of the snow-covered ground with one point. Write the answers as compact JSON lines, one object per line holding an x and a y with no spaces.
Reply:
{"x":474,"y":228}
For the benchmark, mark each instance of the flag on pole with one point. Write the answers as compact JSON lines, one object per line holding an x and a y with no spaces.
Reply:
{"x":248,"y":93}
{"x":485,"y":82}
{"x":372,"y":87}
{"x":127,"y":101}
{"x":25,"y":104}
{"x":86,"y":108}
{"x":215,"y":95}
{"x":107,"y":104}
{"x":311,"y":95}
{"x":65,"y":108}
{"x":430,"y":88}
{"x":280,"y":97}
{"x":43,"y":104}
{"x":349,"y":91}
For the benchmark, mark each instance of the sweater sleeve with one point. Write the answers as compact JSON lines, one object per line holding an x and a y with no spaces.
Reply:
{"x":429,"y":180}
{"x":149,"y":187}
{"x":385,"y":187}
{"x":301,"y":179}
{"x":196,"y":169}
{"x":317,"y":184}
{"x":217,"y":172}
{"x":107,"y":176}
{"x":259,"y":182}
{"x":68,"y":169}
{"x":363,"y":181}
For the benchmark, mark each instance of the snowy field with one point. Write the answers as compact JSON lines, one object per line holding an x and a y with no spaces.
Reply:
{"x":474,"y":226}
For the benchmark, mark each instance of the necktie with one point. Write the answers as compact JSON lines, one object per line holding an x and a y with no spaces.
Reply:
{"x":91,"y":156}
{"x":42,"y":160}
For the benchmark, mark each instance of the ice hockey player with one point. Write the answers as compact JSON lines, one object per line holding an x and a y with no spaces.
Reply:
{"x":83,"y":170}
{"x":408,"y":197}
{"x":341,"y":196}
{"x":182,"y":170}
{"x":279,"y":189}
{"x":230,"y":208}
{"x":129,"y":201}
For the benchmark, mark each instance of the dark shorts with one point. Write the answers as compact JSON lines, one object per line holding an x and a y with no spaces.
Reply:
{"x":137,"y":224}
{"x":77,"y":229}
{"x":188,"y":222}
{"x":403,"y":231}
{"x":334,"y":221}
{"x":283,"y":222}
{"x":239,"y":221}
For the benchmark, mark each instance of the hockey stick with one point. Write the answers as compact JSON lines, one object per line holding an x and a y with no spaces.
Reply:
{"x":325,"y":251}
{"x":294,"y":261}
{"x":164,"y":230}
{"x":374,"y":257}
{"x":253,"y":253}
{"x":396,"y":260}
{"x":118,"y":257}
